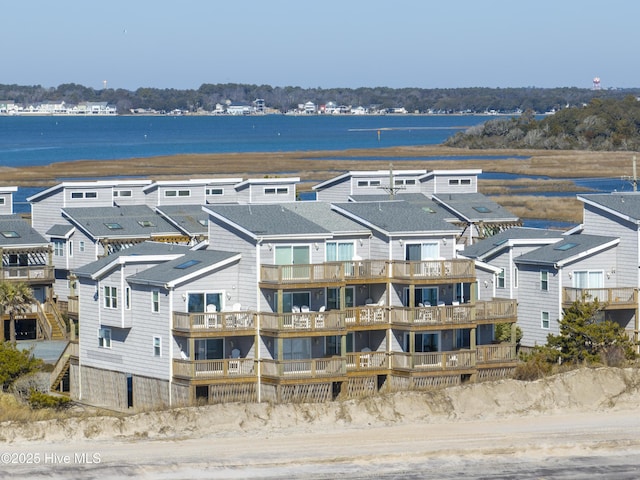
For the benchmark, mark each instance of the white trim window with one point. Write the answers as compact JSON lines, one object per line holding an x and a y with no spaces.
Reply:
{"x":588,"y":279}
{"x":81,"y":246}
{"x":500,"y":283}
{"x":127,"y":298}
{"x":544,"y":280}
{"x":157,"y":346}
{"x":276,"y":190}
{"x":104,"y":337}
{"x":544,"y":320}
{"x":155,"y":301}
{"x":110,"y":297}
{"x":58,"y":248}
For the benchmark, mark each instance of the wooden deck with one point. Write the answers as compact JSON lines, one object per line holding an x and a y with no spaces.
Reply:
{"x":367,"y":271}
{"x":613,"y":298}
{"x":221,"y":369}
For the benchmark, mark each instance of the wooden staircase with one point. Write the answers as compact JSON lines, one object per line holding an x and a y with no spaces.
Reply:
{"x":56,"y":331}
{"x":62,"y":365}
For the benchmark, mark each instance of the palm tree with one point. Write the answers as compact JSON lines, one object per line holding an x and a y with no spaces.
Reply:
{"x":15,"y":297}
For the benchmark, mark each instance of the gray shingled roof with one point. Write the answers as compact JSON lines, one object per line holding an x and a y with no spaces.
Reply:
{"x":323,"y":215}
{"x":15,"y":231}
{"x":563,"y":251}
{"x":399,"y":216}
{"x":480,"y":249}
{"x":626,"y":204}
{"x":186,"y":217}
{"x":173,"y":270}
{"x":60,"y":230}
{"x":383,"y":197}
{"x":268,"y":219}
{"x":475,"y":207}
{"x":95,"y":220}
{"x":143,"y":248}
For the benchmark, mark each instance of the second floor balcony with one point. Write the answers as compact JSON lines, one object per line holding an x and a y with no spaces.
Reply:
{"x":305,"y":368}
{"x":28,"y":273}
{"x":201,"y":322}
{"x":328,"y":273}
{"x":224,"y":368}
{"x":612,"y":298}
{"x":494,"y":311}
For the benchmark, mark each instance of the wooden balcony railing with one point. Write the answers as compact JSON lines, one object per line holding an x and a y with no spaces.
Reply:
{"x":32,"y":273}
{"x":376,"y":315}
{"x":329,"y":272}
{"x":305,"y":368}
{"x":365,"y":361}
{"x":496,"y":309}
{"x":503,"y":352}
{"x":451,"y":269}
{"x":73,"y":305}
{"x":212,"y":369}
{"x":438,"y":315}
{"x":620,"y":296}
{"x":303,"y":321}
{"x":214,"y":321}
{"x":460,"y":359}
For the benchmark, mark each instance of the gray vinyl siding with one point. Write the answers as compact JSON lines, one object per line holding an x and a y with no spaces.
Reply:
{"x":196,"y":195}
{"x":137,"y":197}
{"x":598,"y":222}
{"x":256,"y":194}
{"x":532,"y":301}
{"x":46,"y":212}
{"x":486,"y":281}
{"x":229,"y":241}
{"x":6,"y":205}
{"x":442,"y":184}
{"x":138,"y":347}
{"x":379,"y":247}
{"x":104,"y":196}
{"x":338,"y":192}
{"x":225,"y":281}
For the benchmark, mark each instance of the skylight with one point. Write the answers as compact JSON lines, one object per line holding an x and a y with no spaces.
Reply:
{"x":146,"y":223}
{"x":187,"y":264}
{"x":481,"y":209}
{"x":10,"y":234}
{"x":113,"y":226}
{"x":565,"y":246}
{"x":428,"y":210}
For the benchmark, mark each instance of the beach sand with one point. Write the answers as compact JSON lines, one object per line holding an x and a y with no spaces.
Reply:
{"x":580,"y":424}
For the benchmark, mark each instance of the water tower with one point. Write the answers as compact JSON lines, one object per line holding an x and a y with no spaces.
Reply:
{"x":596,"y":83}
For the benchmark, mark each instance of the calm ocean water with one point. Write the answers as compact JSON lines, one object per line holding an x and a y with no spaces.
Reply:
{"x":45,"y":140}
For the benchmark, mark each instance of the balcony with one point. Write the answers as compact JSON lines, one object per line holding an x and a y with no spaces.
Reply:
{"x":493,"y":311}
{"x":226,"y":368}
{"x":614,"y":298}
{"x":433,"y":361}
{"x":500,"y":353}
{"x":434,"y":271}
{"x":214,"y":322}
{"x":31,"y":273}
{"x":372,"y":316}
{"x":322,"y":274}
{"x":305,"y":368}
{"x":367,"y":361}
{"x":303,"y":321}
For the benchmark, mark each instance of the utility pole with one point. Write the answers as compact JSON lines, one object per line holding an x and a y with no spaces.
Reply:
{"x":391,"y":188}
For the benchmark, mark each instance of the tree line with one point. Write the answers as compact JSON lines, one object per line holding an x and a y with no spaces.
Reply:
{"x":603,"y":124}
{"x":421,"y":100}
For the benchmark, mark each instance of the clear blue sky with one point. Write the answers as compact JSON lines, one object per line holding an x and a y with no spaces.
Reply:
{"x":328,"y":43}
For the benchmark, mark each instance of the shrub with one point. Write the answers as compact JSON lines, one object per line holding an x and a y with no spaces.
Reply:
{"x":44,"y":400}
{"x":535,"y":365}
{"x":15,"y":363}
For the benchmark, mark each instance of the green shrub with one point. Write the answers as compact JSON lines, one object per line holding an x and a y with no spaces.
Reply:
{"x":39,"y":400}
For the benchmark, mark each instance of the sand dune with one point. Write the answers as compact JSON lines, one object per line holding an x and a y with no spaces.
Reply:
{"x":581,"y":422}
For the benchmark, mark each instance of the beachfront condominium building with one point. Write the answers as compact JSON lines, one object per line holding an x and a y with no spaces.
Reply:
{"x":294,"y":301}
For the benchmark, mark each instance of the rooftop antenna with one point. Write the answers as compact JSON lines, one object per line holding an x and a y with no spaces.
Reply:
{"x":634,"y":178}
{"x":391,"y":188}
